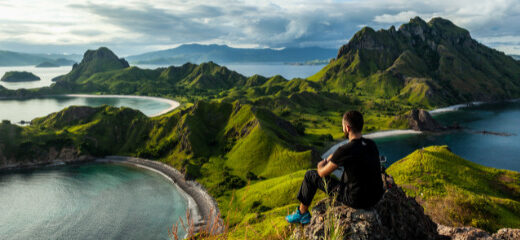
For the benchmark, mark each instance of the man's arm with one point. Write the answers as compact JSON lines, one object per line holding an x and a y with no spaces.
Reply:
{"x":326,"y":167}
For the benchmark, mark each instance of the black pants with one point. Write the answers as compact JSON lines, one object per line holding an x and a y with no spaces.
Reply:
{"x":312,"y":182}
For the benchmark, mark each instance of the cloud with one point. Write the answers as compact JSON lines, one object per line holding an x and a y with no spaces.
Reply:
{"x":396,"y":18}
{"x":136,"y":26}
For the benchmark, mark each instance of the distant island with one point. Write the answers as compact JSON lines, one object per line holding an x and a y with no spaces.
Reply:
{"x":198,"y":53}
{"x":47,"y":65}
{"x":16,"y":76}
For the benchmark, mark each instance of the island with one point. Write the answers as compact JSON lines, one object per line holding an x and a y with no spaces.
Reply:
{"x":17,"y":76}
{"x":47,"y":65}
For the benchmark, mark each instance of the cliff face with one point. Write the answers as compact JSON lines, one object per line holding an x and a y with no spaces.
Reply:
{"x":429,"y":63}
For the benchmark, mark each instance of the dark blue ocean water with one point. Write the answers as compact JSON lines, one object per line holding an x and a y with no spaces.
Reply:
{"x":88,"y":201}
{"x":489,"y":150}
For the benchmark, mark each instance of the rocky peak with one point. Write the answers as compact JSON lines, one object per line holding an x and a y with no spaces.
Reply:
{"x":103,"y":53}
{"x":94,"y":61}
{"x":416,"y":27}
{"x":366,"y":38}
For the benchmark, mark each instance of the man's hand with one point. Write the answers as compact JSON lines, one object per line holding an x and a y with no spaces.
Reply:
{"x":321,"y":163}
{"x":324,"y":162}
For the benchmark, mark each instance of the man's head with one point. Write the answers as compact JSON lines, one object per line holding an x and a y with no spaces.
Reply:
{"x":352,"y":123}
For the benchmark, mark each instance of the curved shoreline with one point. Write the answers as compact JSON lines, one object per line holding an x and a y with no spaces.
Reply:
{"x":202,"y":207}
{"x":173,"y":104}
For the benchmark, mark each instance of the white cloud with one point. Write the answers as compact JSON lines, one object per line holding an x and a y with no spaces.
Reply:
{"x":396,"y":18}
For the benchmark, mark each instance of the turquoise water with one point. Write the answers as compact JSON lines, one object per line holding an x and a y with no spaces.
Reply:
{"x":46,"y":75}
{"x":489,"y":150}
{"x":16,"y":110}
{"x":88,"y":201}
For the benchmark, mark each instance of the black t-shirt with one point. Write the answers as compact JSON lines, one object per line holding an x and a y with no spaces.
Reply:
{"x":361,"y":182}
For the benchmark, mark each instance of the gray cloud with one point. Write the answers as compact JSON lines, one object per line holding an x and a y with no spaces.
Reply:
{"x":141,"y":26}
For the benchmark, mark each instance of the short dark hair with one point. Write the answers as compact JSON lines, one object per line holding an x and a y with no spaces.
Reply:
{"x":354,"y":120}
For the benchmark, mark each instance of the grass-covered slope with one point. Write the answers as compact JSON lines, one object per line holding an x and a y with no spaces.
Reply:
{"x":94,"y":61}
{"x":426,"y":63}
{"x":455,"y":191}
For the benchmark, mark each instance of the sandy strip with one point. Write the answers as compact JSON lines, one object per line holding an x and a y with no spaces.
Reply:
{"x":203,"y":208}
{"x":173,"y":104}
{"x":388,"y":133}
{"x":454,"y":107}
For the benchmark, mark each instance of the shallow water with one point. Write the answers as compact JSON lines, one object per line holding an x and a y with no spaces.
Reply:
{"x":88,"y":201}
{"x":17,"y":110}
{"x":489,"y":150}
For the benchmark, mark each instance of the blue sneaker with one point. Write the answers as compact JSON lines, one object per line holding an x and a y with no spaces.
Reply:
{"x":297,"y":217}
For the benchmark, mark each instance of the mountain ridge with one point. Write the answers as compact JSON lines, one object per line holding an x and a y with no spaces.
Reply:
{"x":11,"y":58}
{"x":198,"y":53}
{"x":427,"y":63}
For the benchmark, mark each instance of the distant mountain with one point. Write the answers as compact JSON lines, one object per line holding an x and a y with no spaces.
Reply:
{"x":56,"y":63}
{"x":431,"y":64}
{"x":8,"y":58}
{"x":47,"y":64}
{"x":197,"y":53}
{"x":517,"y":57}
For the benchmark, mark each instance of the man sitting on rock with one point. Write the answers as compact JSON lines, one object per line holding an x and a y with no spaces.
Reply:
{"x":360,"y":186}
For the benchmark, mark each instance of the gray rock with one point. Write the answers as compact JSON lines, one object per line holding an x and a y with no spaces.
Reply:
{"x":396,"y":216}
{"x":421,"y":120}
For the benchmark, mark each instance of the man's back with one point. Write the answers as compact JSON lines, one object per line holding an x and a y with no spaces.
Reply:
{"x":361,"y":178}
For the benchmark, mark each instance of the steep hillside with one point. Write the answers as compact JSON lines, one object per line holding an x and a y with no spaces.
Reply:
{"x":457,"y":192}
{"x":428,"y":63}
{"x":94,"y":61}
{"x":247,"y":139}
{"x":102,"y":71}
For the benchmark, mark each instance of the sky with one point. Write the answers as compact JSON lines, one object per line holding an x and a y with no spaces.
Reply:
{"x":134,"y":26}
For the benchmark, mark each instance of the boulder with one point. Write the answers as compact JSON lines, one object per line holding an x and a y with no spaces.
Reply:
{"x":472,"y":233}
{"x":395,"y":216}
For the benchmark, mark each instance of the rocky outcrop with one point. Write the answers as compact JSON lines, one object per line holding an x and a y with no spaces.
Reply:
{"x":396,"y":216}
{"x":421,"y":120}
{"x":471,"y":233}
{"x":41,"y":157}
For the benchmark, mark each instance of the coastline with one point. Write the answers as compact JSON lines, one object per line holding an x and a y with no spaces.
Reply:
{"x":396,"y":132}
{"x":173,"y":104}
{"x":202,"y":207}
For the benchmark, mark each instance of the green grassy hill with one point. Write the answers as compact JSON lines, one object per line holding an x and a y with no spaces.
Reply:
{"x":222,"y":145}
{"x":455,"y":191}
{"x":253,"y":162}
{"x":430,"y":64}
